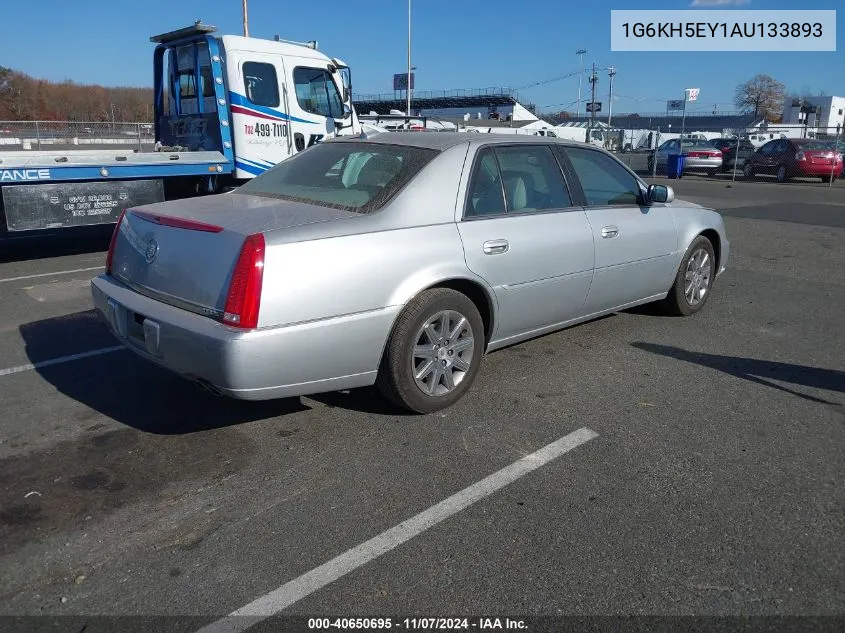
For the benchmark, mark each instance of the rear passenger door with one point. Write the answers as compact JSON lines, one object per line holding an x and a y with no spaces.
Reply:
{"x":635,"y":244}
{"x":526,"y":238}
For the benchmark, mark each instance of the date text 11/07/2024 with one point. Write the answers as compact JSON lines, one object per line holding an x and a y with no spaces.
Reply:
{"x":416,"y":624}
{"x":723,"y":29}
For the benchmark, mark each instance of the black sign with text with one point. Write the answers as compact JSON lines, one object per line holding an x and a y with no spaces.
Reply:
{"x":65,"y":204}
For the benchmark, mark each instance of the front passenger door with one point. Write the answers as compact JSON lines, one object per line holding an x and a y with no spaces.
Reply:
{"x":636,"y":244}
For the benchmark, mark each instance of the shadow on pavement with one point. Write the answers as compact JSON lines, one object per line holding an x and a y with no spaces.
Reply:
{"x":129,"y":389}
{"x":761,"y":372}
{"x":42,"y":245}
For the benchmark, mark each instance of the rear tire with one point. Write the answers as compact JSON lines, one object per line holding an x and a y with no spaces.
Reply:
{"x":782,"y":176}
{"x":693,"y":281}
{"x":427,"y":367}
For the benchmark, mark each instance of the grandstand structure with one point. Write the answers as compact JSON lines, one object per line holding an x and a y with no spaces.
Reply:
{"x":653,"y":121}
{"x":498,"y":103}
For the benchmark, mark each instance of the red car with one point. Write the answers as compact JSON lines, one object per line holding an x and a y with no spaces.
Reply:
{"x":791,"y":157}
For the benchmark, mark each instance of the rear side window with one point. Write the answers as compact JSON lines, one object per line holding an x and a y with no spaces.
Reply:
{"x":358,"y":177}
{"x":316,"y":92}
{"x":486,"y":196}
{"x":604,"y":180}
{"x":262,"y":85}
{"x":516,"y":179}
{"x":532,"y":178}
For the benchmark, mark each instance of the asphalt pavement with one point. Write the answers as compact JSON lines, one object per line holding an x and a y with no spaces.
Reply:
{"x":709,"y":481}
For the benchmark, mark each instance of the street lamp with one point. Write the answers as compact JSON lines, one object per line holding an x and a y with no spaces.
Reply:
{"x":408,"y":87}
{"x":581,"y":52}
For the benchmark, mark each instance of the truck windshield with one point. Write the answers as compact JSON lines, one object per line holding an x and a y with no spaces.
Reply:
{"x":359,"y":177}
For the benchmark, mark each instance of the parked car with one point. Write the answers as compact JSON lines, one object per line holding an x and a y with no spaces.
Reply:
{"x":787,"y":158}
{"x":731,"y":158}
{"x":699,"y":155}
{"x":398,"y":260}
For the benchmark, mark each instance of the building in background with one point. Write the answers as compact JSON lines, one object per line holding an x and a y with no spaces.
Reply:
{"x":829,"y":112}
{"x":496,"y":104}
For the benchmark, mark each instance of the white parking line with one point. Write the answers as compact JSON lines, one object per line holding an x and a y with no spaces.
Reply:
{"x":61,"y":359}
{"x":60,"y":272}
{"x":297,"y":589}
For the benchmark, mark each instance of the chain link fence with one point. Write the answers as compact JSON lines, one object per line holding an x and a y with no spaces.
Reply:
{"x":73,"y":135}
{"x":775,"y":154}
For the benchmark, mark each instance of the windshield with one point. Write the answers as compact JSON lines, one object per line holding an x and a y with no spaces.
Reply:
{"x":360,"y":177}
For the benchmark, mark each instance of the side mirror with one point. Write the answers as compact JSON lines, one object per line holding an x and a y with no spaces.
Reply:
{"x":660,"y":193}
{"x":346,"y":120}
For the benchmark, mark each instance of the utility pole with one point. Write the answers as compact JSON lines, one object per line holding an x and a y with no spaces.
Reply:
{"x":246,"y":19}
{"x":611,"y":73}
{"x":408,"y":87}
{"x":581,"y":52}
{"x":594,"y":78}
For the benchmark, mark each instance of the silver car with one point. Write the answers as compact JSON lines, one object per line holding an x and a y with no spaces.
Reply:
{"x":699,"y":155}
{"x":400,"y":261}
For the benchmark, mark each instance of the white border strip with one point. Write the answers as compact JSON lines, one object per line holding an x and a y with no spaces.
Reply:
{"x":60,"y":360}
{"x":61,"y":272}
{"x":271,"y":603}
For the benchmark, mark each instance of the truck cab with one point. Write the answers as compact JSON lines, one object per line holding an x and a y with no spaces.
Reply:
{"x":256,"y":101}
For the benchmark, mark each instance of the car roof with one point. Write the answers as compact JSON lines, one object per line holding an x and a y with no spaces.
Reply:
{"x":442,"y":141}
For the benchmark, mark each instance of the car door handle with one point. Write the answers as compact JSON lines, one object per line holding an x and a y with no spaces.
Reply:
{"x":494,"y":247}
{"x":609,"y":231}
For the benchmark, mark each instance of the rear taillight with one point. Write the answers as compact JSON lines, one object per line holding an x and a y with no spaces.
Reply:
{"x":110,"y":254}
{"x":800,"y":156}
{"x":244,"y":298}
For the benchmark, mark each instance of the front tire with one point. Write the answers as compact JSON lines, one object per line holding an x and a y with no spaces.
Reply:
{"x":434,"y":352}
{"x":748,"y":171}
{"x":694,"y":279}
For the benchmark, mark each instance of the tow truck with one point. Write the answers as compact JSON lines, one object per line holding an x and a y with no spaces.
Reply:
{"x":227,"y":108}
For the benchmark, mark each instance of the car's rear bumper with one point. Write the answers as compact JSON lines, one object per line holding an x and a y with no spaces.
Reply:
{"x":818,"y":170}
{"x":702,"y":163}
{"x":326,"y":355}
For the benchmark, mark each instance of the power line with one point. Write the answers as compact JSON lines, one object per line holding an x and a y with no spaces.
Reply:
{"x":548,"y":81}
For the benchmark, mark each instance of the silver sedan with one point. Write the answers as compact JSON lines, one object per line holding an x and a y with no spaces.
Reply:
{"x":400,"y":261}
{"x":699,"y":155}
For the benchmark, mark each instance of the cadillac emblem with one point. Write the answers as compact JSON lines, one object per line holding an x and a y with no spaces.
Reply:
{"x":151,"y":252}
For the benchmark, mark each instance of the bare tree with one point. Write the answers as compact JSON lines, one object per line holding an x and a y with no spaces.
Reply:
{"x":762,"y":96}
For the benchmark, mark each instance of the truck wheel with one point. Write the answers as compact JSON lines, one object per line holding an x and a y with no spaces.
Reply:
{"x":434,"y":352}
{"x":693,"y":281}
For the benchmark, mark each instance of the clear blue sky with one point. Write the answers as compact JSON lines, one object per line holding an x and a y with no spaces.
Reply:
{"x":456,"y":44}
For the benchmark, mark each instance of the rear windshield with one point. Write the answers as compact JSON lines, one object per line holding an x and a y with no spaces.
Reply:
{"x":815,"y":145}
{"x":695,"y":143}
{"x":359,"y":177}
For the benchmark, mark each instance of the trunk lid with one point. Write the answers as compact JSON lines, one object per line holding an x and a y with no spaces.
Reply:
{"x":819,"y":157}
{"x":184,"y":252}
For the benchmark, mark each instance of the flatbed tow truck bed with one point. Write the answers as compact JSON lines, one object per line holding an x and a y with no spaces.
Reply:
{"x":51,"y":190}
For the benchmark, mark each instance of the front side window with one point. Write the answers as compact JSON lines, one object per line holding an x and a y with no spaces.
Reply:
{"x":261,"y":83}
{"x":358,"y":177}
{"x":604,"y":180}
{"x":316,"y":93}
